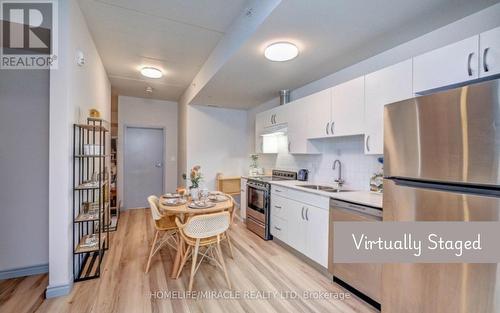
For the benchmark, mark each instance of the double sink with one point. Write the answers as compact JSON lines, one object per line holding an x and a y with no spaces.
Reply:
{"x":324,"y":188}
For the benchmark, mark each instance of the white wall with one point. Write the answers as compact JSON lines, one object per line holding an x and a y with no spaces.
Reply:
{"x":149,"y":113}
{"x":217,"y":141}
{"x":73,"y":90}
{"x":359,"y":167}
{"x":24,"y":167}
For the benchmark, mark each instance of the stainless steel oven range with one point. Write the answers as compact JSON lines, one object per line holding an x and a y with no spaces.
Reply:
{"x":259,"y":193}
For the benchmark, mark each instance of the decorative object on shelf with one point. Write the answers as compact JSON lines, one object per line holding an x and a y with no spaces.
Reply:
{"x":377,"y":180}
{"x":254,"y":165}
{"x":93,"y":113}
{"x":91,"y":215}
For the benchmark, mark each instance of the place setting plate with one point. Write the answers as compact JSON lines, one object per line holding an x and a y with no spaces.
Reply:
{"x":201,"y":204}
{"x":217,"y":198}
{"x":171,"y":196}
{"x":173,"y":201}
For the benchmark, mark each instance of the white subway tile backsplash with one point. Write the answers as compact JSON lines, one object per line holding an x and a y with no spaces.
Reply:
{"x":357,"y":168}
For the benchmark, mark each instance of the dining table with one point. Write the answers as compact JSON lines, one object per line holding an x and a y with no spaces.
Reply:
{"x":184,"y":211}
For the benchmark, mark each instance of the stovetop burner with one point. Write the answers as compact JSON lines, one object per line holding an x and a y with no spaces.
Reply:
{"x":276,"y":175}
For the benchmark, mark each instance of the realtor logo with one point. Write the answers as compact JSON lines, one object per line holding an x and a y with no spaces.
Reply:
{"x":29,"y":34}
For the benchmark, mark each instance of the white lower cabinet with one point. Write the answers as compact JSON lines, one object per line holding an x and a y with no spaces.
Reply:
{"x":317,"y":234}
{"x":302,"y":226}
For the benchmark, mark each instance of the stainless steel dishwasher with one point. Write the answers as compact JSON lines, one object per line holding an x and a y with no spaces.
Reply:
{"x":364,"y":277}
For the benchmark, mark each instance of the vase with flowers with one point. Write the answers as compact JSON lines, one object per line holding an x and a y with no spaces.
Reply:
{"x":196,"y":177}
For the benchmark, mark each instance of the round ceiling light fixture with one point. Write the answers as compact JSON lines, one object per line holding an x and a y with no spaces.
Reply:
{"x":281,"y":51}
{"x":151,"y":72}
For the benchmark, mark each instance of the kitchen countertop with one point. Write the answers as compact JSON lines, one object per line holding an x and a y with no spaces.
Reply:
{"x":362,"y":197}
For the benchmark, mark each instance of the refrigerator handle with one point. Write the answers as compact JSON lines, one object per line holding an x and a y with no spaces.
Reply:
{"x":493,"y":191}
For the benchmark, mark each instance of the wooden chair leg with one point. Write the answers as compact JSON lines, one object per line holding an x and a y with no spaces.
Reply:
{"x":183,"y":261}
{"x":221,"y":259}
{"x":193,"y":266}
{"x":151,"y":251}
{"x":230,"y":245}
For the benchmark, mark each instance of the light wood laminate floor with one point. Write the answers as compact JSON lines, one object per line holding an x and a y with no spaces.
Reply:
{"x":263,"y":274}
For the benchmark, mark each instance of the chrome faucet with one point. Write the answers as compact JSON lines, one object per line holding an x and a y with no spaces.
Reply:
{"x":339,"y":180}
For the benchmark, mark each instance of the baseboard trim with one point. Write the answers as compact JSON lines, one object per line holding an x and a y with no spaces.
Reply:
{"x":58,"y":291}
{"x":24,"y":271}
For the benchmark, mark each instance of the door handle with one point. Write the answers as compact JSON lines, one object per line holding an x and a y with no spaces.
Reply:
{"x":331,"y":127}
{"x":289,"y":144}
{"x":327,"y":124}
{"x":307,"y":214}
{"x":277,"y":206}
{"x":302,"y":212}
{"x":158,"y":165}
{"x":469,"y":60}
{"x":485,"y":65}
{"x":277,"y":228}
{"x":366,"y":143}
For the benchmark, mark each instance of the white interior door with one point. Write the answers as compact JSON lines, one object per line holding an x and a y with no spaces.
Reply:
{"x":143,"y":165}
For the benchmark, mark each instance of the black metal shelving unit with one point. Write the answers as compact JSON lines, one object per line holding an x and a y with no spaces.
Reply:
{"x":90,"y":198}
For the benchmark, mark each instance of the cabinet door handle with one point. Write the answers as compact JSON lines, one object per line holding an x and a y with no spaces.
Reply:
{"x":277,"y":190}
{"x":277,"y":206}
{"x":277,"y":228}
{"x":469,"y":60}
{"x":331,"y":127}
{"x":366,"y":143}
{"x":485,"y":65}
{"x":327,"y":124}
{"x":307,"y":214}
{"x":289,"y":144}
{"x":302,"y":213}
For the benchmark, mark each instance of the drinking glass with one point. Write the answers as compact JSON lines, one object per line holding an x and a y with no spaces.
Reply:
{"x":204,"y":194}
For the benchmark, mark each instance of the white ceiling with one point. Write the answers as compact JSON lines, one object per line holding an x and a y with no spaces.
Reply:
{"x":331,"y":34}
{"x":176,"y":36}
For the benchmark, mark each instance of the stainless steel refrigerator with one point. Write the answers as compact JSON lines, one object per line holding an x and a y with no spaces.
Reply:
{"x":442,"y":163}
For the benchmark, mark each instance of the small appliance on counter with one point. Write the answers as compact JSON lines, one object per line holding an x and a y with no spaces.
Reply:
{"x":302,"y":174}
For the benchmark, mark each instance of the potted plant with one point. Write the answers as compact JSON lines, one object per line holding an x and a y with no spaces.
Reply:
{"x":254,"y":166}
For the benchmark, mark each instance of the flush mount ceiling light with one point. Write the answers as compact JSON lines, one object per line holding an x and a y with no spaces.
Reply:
{"x":151,"y":72}
{"x":281,"y":51}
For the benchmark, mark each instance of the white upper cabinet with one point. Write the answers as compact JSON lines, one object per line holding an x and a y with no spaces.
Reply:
{"x":264,"y":119}
{"x":453,"y":64}
{"x":319,"y":114}
{"x":348,"y":102}
{"x":298,"y":139}
{"x":264,"y":122}
{"x":337,"y":111}
{"x":388,"y":85}
{"x":489,"y":53}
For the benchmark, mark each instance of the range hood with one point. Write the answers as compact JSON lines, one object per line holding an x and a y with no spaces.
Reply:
{"x":275,"y":139}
